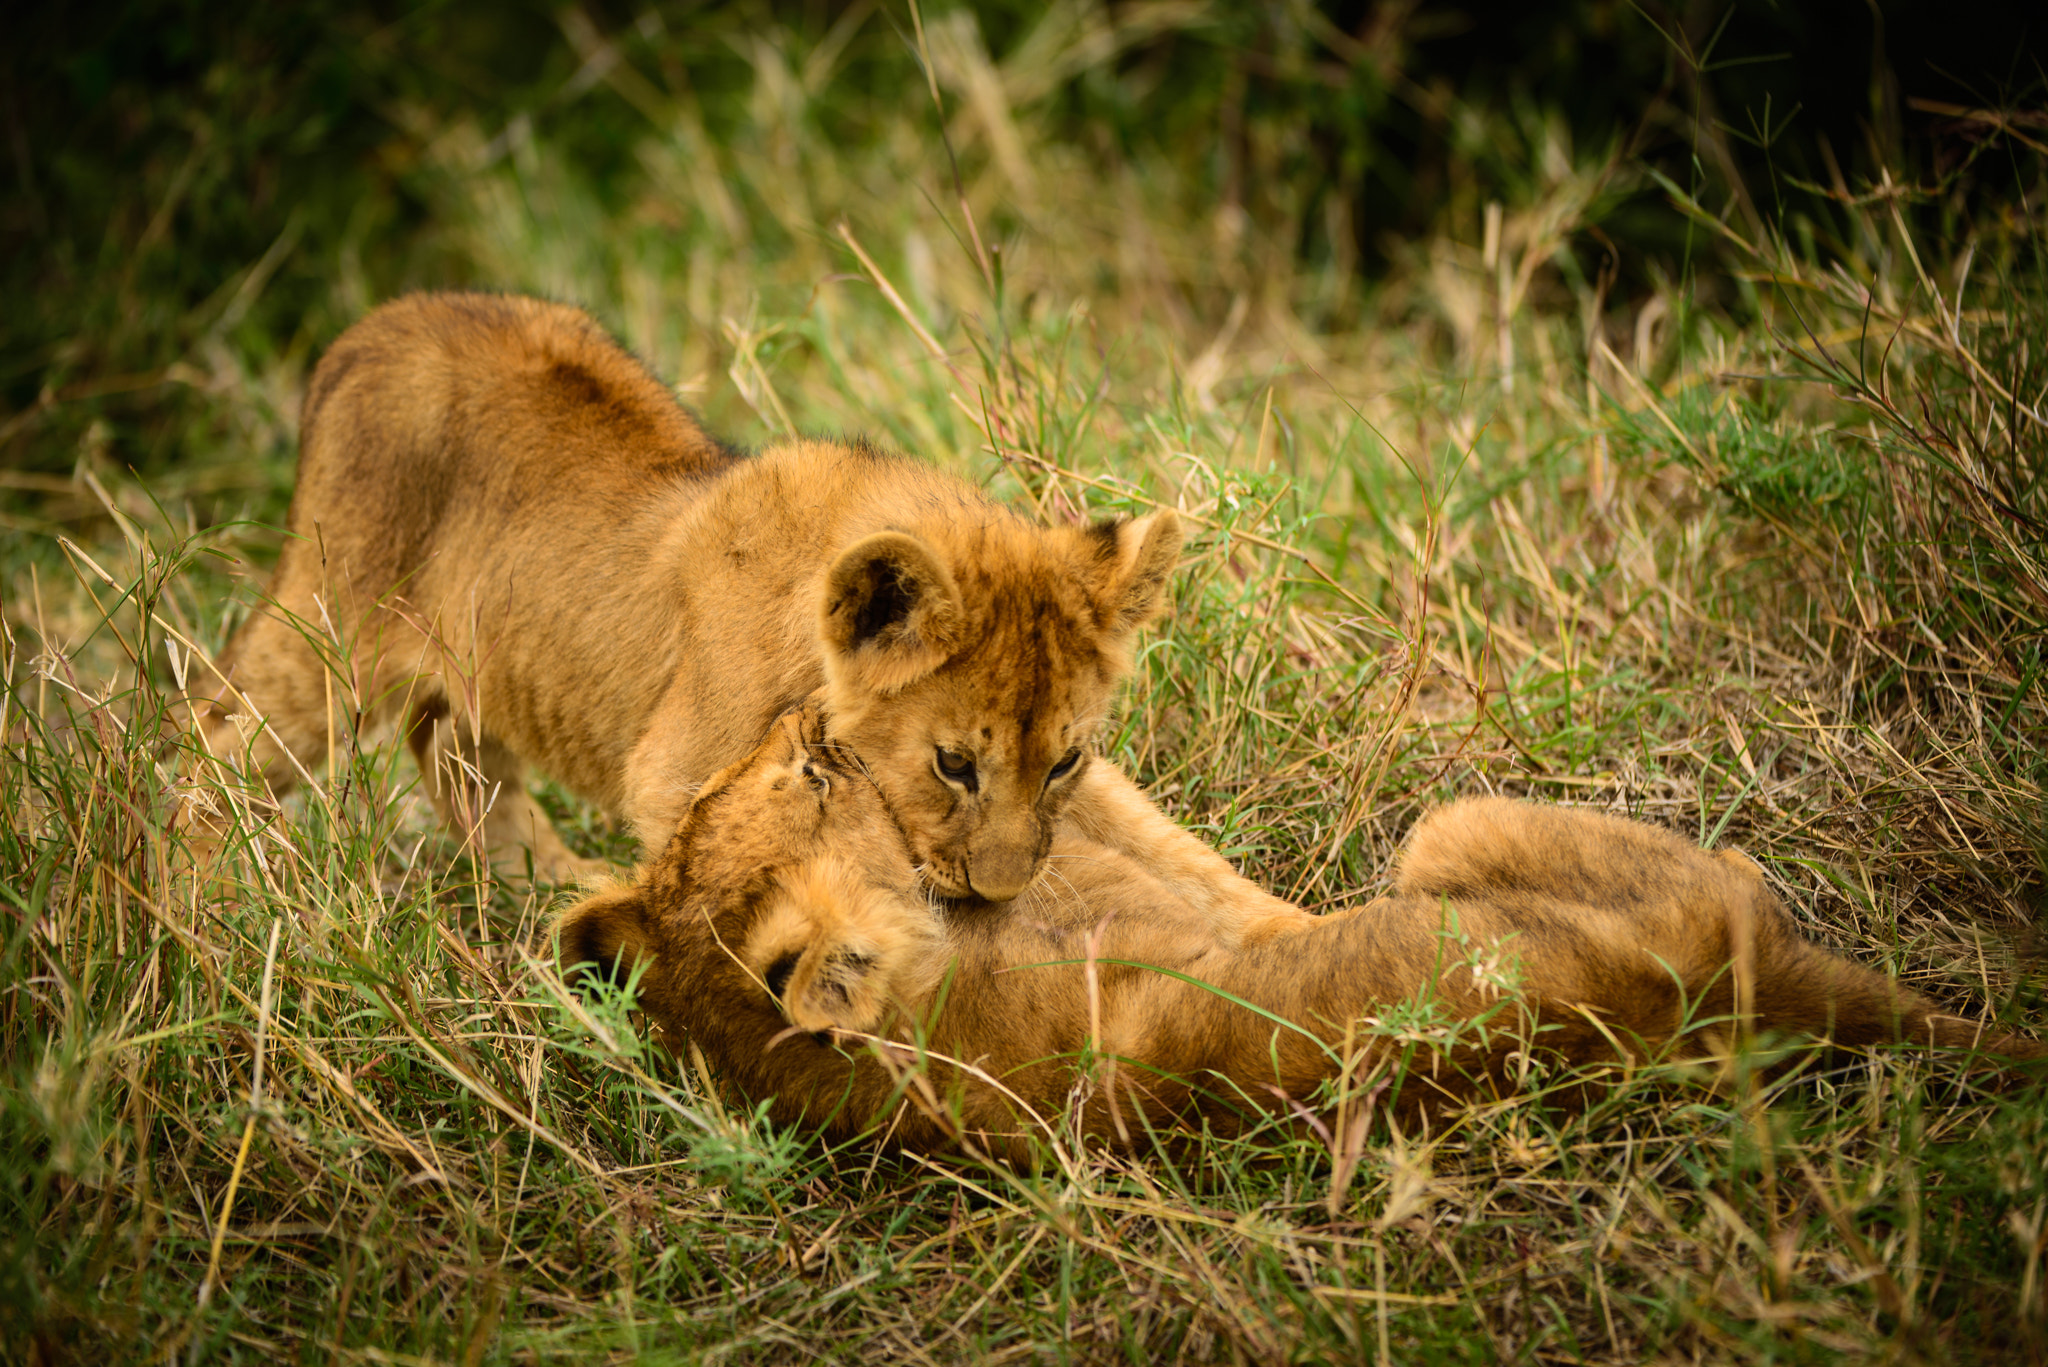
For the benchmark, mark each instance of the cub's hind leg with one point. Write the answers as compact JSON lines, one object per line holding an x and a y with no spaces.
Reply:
{"x":1492,"y":845}
{"x":479,"y":791}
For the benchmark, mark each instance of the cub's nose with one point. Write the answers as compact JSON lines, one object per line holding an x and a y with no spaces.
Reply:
{"x":1000,"y":875}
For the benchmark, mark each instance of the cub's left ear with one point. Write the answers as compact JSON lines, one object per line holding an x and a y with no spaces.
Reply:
{"x":605,"y":935}
{"x":890,"y":613}
{"x":1146,"y":551}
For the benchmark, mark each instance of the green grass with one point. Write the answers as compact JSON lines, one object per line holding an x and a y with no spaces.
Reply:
{"x":1750,"y":555}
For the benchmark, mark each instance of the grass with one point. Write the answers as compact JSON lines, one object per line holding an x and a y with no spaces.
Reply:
{"x":1757,"y":554}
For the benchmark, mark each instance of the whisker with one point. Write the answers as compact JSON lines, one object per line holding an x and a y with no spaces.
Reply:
{"x":1071,"y":891}
{"x":1078,"y":859}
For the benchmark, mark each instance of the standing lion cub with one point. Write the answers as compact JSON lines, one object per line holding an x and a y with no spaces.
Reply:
{"x":511,"y":540}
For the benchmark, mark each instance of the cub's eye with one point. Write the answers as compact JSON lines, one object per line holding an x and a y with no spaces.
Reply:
{"x":956,"y":766}
{"x":818,"y":782}
{"x":1065,"y":766}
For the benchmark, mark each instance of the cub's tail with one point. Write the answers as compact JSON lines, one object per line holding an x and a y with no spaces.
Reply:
{"x":1708,"y":915}
{"x":1802,"y":988}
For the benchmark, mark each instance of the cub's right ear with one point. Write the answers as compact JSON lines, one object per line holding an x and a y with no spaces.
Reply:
{"x":891,"y":614}
{"x":1147,"y":549}
{"x":604,"y":936}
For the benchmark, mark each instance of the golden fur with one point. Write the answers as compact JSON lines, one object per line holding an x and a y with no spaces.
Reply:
{"x":1518,"y":936}
{"x":509,"y":538}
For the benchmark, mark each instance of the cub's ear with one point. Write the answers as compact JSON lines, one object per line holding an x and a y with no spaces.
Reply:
{"x":892,"y":612}
{"x":1147,"y":549}
{"x":604,"y":935}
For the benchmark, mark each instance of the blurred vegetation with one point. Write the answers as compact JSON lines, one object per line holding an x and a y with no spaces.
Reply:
{"x":186,"y":174}
{"x":1632,"y":405}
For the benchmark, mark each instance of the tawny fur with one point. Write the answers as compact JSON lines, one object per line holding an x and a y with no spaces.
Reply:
{"x":1517,"y":935}
{"x":510,"y":540}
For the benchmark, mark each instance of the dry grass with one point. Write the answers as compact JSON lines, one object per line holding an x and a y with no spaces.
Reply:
{"x":1772,"y":577}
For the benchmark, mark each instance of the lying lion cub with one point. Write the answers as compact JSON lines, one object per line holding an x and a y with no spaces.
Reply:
{"x":786,"y":908}
{"x":510,"y":538}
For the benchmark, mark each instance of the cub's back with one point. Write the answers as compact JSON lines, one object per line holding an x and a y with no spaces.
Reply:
{"x":442,"y":415}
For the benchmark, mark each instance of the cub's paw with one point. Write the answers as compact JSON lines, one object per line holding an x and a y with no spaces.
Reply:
{"x":837,"y":952}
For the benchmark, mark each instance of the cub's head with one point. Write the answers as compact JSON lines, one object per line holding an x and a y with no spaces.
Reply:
{"x":786,"y":894}
{"x":971,"y":668}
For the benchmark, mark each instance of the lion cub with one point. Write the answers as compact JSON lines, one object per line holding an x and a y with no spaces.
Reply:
{"x":785,"y":908}
{"x":510,"y":539}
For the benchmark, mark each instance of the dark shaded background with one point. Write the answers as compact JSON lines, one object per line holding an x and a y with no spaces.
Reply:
{"x":242,"y":117}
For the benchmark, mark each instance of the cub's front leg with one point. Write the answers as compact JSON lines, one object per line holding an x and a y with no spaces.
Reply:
{"x":478,"y":787}
{"x":1109,"y":809}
